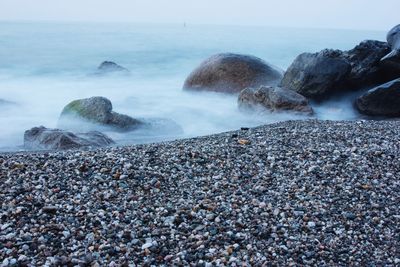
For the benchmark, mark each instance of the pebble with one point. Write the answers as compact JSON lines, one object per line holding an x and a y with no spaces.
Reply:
{"x":295,"y":193}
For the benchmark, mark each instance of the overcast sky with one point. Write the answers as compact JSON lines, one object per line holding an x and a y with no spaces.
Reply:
{"x":348,"y":14}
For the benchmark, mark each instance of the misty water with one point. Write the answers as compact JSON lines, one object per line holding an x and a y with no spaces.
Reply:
{"x":44,"y":66}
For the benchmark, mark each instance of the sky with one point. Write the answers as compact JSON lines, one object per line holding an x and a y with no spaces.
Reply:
{"x":340,"y":14}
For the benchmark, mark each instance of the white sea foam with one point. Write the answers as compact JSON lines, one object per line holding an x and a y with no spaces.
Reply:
{"x":45,"y":66}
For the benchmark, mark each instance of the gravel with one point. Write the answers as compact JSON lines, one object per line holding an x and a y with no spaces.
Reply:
{"x":293,"y":193}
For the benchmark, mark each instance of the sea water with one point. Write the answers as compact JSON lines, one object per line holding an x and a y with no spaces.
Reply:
{"x":44,"y":66}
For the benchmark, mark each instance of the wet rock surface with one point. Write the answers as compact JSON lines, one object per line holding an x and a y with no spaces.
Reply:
{"x":315,"y":75}
{"x":94,"y":113}
{"x":366,"y":66}
{"x":109,"y":67}
{"x":384,"y":100}
{"x":292,"y":193}
{"x":273,"y":99}
{"x":231,"y":73}
{"x":329,"y":72}
{"x":41,"y":138}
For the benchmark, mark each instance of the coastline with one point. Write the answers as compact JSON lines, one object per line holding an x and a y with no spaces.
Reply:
{"x":295,"y":192}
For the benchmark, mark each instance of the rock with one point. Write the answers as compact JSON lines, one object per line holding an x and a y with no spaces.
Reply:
{"x":41,"y":138}
{"x":109,"y":67}
{"x":393,"y":39}
{"x":92,"y":113}
{"x":383,"y":100}
{"x":315,"y":75}
{"x":274,"y":99}
{"x":366,"y":67}
{"x":231,"y":73}
{"x":322,"y":74}
{"x":50,"y":209}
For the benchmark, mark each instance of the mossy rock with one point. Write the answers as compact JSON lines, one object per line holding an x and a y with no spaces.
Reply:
{"x":94,"y":112}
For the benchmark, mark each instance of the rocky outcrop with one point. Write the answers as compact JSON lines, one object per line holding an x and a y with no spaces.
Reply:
{"x":366,"y":67}
{"x":274,"y":99}
{"x":41,"y":138}
{"x":92,"y":113}
{"x":109,"y":67}
{"x":231,"y":73}
{"x":383,"y":100}
{"x":316,"y":75}
{"x":325,"y":73}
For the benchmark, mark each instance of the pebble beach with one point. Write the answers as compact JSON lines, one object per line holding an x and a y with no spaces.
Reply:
{"x":295,"y":193}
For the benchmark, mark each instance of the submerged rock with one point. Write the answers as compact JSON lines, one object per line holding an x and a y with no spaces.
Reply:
{"x":320,"y":75}
{"x":108,"y":67}
{"x":383,"y":100}
{"x":41,"y":138}
{"x":95,"y":112}
{"x":231,"y":73}
{"x":274,"y":99}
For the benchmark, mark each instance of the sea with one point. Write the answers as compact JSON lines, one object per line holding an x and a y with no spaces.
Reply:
{"x":45,"y":65}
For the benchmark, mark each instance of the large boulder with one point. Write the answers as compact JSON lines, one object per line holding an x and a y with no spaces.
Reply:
{"x":383,"y":100}
{"x":315,"y":75}
{"x":41,"y":138}
{"x":94,"y":113}
{"x":366,"y":66}
{"x":320,"y":75}
{"x":231,"y":73}
{"x":274,"y":99}
{"x":109,"y":67}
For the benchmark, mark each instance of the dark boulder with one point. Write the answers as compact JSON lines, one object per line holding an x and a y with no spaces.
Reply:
{"x":109,"y":67}
{"x":92,"y":113}
{"x":383,"y":100}
{"x":320,"y":75}
{"x":231,"y":73}
{"x":274,"y":99}
{"x":316,"y":75}
{"x":366,"y":67}
{"x":41,"y":138}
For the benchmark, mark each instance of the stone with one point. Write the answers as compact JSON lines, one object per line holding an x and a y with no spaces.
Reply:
{"x":366,"y":66}
{"x":94,"y":113}
{"x":273,"y":99}
{"x":330,"y":72}
{"x":41,"y":138}
{"x":315,"y":75}
{"x":50,"y":209}
{"x":231,"y":73}
{"x":383,"y":100}
{"x":109,"y":67}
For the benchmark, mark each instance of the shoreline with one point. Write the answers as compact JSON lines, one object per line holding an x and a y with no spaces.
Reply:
{"x":117,"y":145}
{"x":295,"y":192}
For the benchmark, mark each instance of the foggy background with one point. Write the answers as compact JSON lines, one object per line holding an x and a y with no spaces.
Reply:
{"x":339,"y":14}
{"x":45,"y":65}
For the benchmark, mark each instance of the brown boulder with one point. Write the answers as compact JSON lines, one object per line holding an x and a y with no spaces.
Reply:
{"x":231,"y":73}
{"x":274,"y":99}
